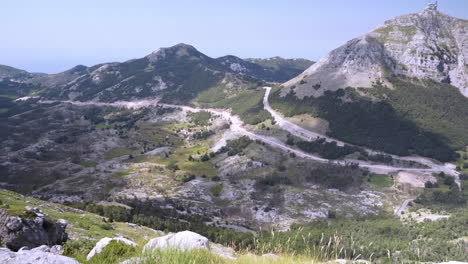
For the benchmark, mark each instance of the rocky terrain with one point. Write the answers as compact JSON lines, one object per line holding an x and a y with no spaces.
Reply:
{"x":367,"y":142}
{"x":123,"y":163}
{"x":428,"y":45}
{"x":32,"y":229}
{"x":274,"y":69}
{"x":95,"y":239}
{"x":109,"y":130}
{"x":411,"y":72}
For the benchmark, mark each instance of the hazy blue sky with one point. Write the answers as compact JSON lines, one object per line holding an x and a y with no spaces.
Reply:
{"x":54,"y":35}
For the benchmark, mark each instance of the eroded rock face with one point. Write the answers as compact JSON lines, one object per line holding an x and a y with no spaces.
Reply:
{"x":17,"y":232}
{"x":40,"y":255}
{"x":428,"y":45}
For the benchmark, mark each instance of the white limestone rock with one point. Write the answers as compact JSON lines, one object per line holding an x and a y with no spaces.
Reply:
{"x":425,"y":45}
{"x":185,"y":240}
{"x":39,"y":255}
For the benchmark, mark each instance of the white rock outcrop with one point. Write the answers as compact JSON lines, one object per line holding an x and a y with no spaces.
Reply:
{"x":39,"y":255}
{"x":185,"y":240}
{"x":105,"y":242}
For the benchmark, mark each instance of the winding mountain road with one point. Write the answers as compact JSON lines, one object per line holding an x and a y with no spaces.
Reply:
{"x":237,"y":127}
{"x":403,"y":206}
{"x":309,"y":135}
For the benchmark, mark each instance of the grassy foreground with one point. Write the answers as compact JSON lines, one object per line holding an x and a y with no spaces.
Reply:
{"x":116,"y":253}
{"x":85,"y":229}
{"x":381,"y":239}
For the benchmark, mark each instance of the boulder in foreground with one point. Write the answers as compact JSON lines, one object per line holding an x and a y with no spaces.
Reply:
{"x":31,"y":230}
{"x":39,"y":255}
{"x":185,"y":240}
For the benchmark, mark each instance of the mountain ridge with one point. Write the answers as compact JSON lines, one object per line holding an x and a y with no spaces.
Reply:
{"x":180,"y":71}
{"x":410,"y":72}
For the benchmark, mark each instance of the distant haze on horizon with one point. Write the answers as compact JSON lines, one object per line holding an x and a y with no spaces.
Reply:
{"x":52,"y":36}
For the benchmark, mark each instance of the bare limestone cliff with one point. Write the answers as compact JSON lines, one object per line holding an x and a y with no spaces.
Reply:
{"x":425,"y":45}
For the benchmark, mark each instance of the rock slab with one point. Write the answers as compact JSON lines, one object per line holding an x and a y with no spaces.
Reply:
{"x":40,"y":255}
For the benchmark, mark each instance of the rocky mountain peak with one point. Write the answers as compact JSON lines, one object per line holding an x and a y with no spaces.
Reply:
{"x":432,"y":6}
{"x":178,"y":51}
{"x":424,"y":45}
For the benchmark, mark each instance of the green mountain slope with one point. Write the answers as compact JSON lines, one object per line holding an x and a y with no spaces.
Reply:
{"x":284,"y":69}
{"x":176,"y":74}
{"x":13,"y":73}
{"x":416,"y":117}
{"x":405,"y":87}
{"x":15,"y":83}
{"x":274,"y":69}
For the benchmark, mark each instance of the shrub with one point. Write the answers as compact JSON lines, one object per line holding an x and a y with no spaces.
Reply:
{"x":216,"y":190}
{"x":106,"y":226}
{"x":449,"y":181}
{"x":339,"y":177}
{"x":173,"y":166}
{"x":78,"y":248}
{"x":236,"y":146}
{"x":281,"y":168}
{"x":428,"y":184}
{"x":215,"y":178}
{"x":464,"y":177}
{"x":115,"y":252}
{"x":205,"y":158}
{"x":331,"y":214}
{"x":272,"y":180}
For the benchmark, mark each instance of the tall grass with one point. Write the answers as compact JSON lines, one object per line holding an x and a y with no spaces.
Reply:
{"x":200,"y":256}
{"x":301,"y":243}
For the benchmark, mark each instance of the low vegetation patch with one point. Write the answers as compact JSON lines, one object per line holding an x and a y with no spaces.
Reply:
{"x":328,"y":150}
{"x":236,"y":146}
{"x":248,"y":105}
{"x":201,"y":118}
{"x":115,"y":252}
{"x":87,"y":164}
{"x":445,"y":191}
{"x":216,"y":190}
{"x":338,"y":177}
{"x":119,"y":152}
{"x":381,"y":180}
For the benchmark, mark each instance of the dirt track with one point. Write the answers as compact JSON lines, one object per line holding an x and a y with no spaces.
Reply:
{"x":309,"y":135}
{"x":237,"y":127}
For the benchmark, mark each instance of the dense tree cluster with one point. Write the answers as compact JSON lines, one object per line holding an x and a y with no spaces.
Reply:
{"x":328,"y":150}
{"x":445,"y":191}
{"x":203,"y":134}
{"x":338,"y":177}
{"x":236,"y":146}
